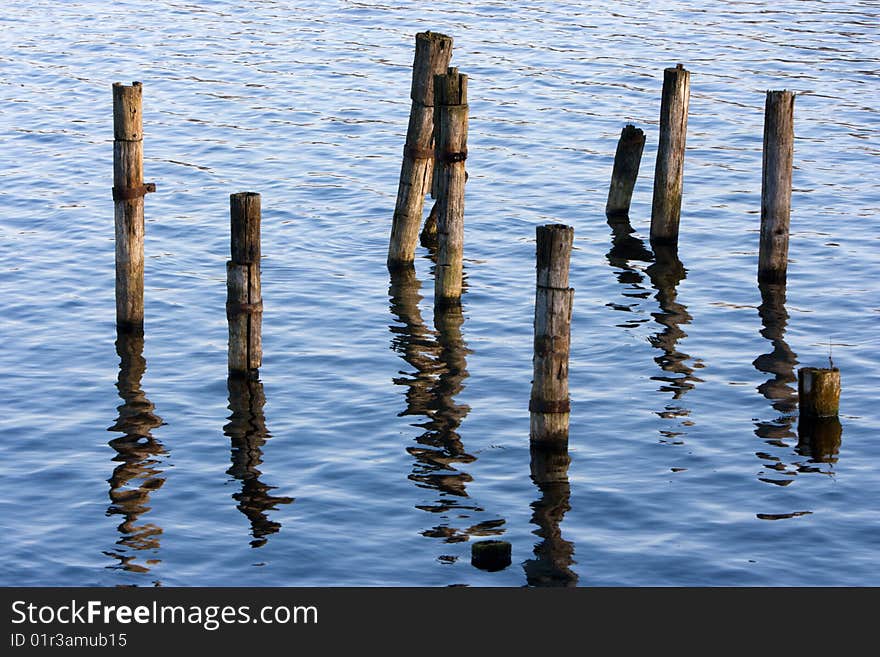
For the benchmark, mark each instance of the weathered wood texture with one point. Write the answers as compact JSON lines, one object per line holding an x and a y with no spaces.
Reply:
{"x":626,"y":169}
{"x":776,"y":186}
{"x":549,"y":404}
{"x":432,"y":55}
{"x":244,"y":302}
{"x":818,"y":392}
{"x":669,"y":169}
{"x":450,"y":94}
{"x":128,"y":198}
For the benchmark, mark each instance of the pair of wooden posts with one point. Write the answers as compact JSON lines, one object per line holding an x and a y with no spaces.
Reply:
{"x":244,"y":302}
{"x":776,"y":177}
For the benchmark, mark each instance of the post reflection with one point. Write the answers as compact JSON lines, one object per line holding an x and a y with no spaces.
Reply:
{"x":553,"y":555}
{"x":139,"y":456}
{"x":817,"y":441}
{"x":247,"y":432}
{"x":665,"y":272}
{"x":438,"y":357}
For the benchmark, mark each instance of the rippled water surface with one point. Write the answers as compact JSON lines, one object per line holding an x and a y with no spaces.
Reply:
{"x":381,"y":441}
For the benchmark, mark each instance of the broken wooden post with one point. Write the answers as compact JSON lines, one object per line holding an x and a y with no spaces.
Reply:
{"x":549,"y":404}
{"x":450,"y":95}
{"x":669,"y":170}
{"x":244,"y":303}
{"x":626,"y":170}
{"x":818,"y":391}
{"x":433,"y":52}
{"x":128,"y":199}
{"x":491,"y":555}
{"x":776,"y":186}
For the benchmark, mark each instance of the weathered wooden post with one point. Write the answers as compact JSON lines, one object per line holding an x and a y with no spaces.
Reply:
{"x":669,"y":170}
{"x":450,"y":94}
{"x":491,"y":555}
{"x":433,"y":52}
{"x":626,"y":170}
{"x":776,"y":186}
{"x":128,"y":199}
{"x":549,"y":404}
{"x":244,"y":303}
{"x":818,"y":391}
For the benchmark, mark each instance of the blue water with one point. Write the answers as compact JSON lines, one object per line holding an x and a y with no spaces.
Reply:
{"x":380,"y":446}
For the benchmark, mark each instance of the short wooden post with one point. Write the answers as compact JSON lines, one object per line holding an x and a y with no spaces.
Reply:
{"x":549,"y":404}
{"x":776,"y":186}
{"x":626,"y":170}
{"x":669,"y":170}
{"x":432,"y":55}
{"x":450,"y":94}
{"x":244,"y":302}
{"x":128,"y":199}
{"x":491,"y":555}
{"x":818,"y":391}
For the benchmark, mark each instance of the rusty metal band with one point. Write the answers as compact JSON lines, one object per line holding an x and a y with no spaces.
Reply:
{"x":542,"y":406}
{"x":233,"y":308}
{"x":129,"y":193}
{"x":553,"y":287}
{"x":418,"y":153}
{"x":450,"y":157}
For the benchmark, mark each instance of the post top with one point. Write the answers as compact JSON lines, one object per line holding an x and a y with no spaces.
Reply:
{"x":428,"y":35}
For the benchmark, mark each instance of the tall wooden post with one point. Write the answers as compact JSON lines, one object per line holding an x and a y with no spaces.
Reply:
{"x":549,"y":404}
{"x":244,"y":302}
{"x":776,"y":186}
{"x":433,"y":52}
{"x":669,"y":170}
{"x":626,"y":170}
{"x":450,"y":94}
{"x":128,"y":198}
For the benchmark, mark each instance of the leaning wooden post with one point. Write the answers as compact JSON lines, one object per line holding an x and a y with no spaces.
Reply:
{"x":450,"y":94}
{"x":244,"y":303}
{"x":549,"y":404}
{"x":128,"y":199}
{"x":669,"y":170}
{"x":776,"y":186}
{"x":626,"y":170}
{"x":433,"y":52}
{"x":818,"y":392}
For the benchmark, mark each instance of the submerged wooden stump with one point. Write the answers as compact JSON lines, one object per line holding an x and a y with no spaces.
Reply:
{"x":818,"y":392}
{"x":450,"y":95}
{"x":492,"y":555}
{"x":776,"y":186}
{"x":669,"y":169}
{"x":432,"y":55}
{"x":244,"y":302}
{"x":128,"y":198}
{"x":549,"y":403}
{"x":626,"y":169}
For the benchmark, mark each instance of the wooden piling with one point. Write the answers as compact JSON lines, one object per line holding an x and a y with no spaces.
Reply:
{"x":432,"y":55}
{"x":450,"y":95}
{"x":626,"y":170}
{"x":669,"y":170}
{"x":549,"y":404}
{"x":128,"y":199}
{"x":776,"y":186}
{"x":818,"y":391}
{"x":244,"y":302}
{"x":491,"y":555}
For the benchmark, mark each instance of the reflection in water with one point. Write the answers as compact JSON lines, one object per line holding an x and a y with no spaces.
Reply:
{"x":139,"y":456}
{"x":553,"y":555}
{"x":665,"y":273}
{"x":817,"y":440}
{"x":440,"y":367}
{"x":247,"y":431}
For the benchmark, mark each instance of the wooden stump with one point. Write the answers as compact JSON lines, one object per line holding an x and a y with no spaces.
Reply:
{"x":432,"y":55}
{"x":669,"y":170}
{"x":244,"y":302}
{"x":776,"y":186}
{"x":492,"y":555}
{"x":818,"y":392}
{"x":128,"y":199}
{"x":450,"y":95}
{"x":626,"y":170}
{"x":549,"y":404}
